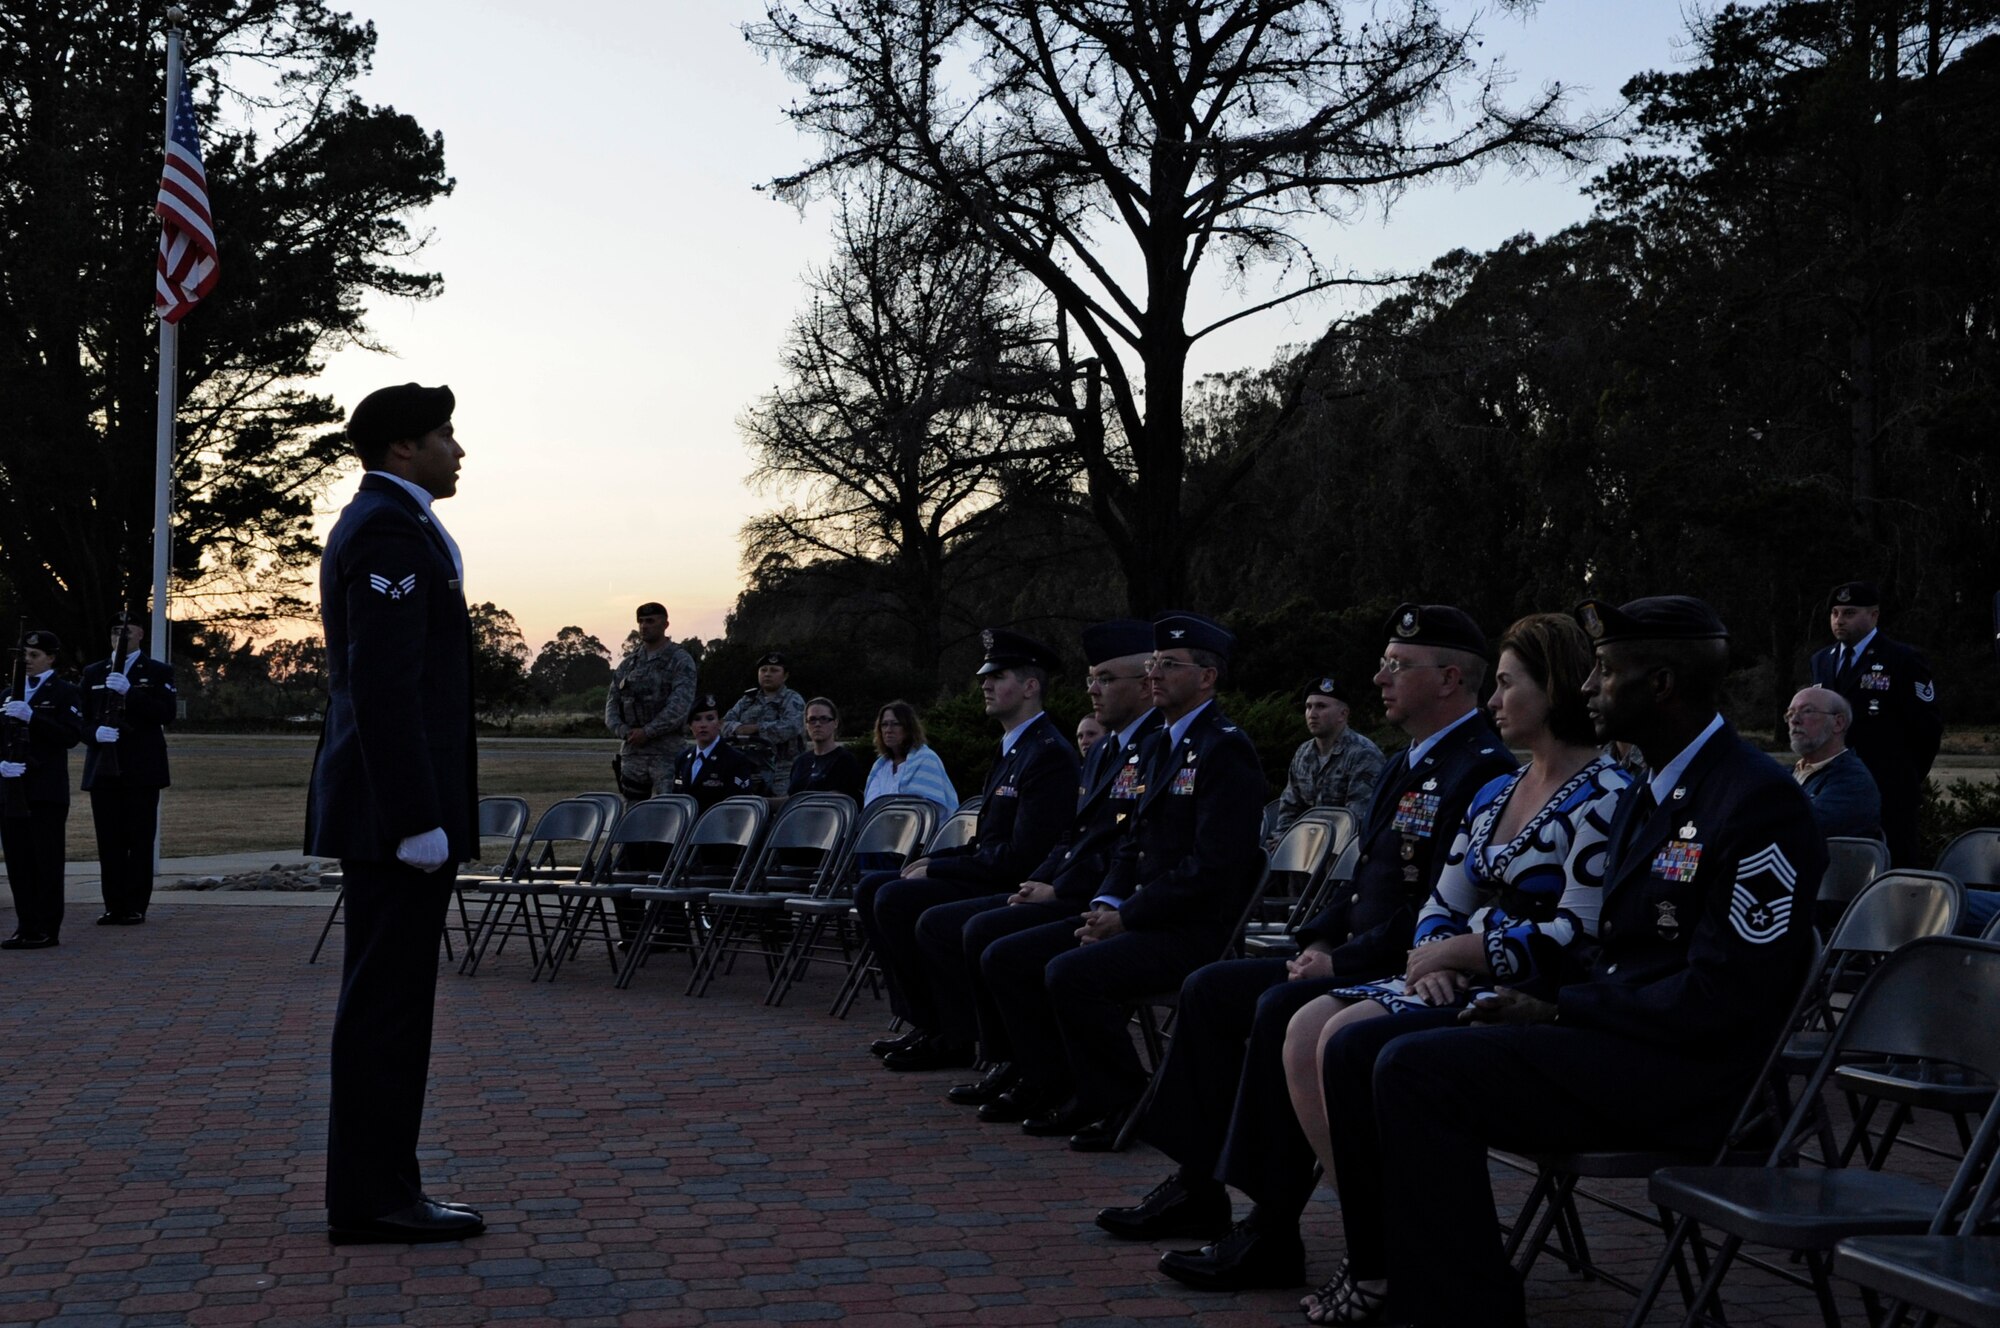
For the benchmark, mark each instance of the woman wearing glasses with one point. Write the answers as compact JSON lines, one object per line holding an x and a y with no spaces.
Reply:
{"x":903,"y":764}
{"x":825,"y":766}
{"x":1520,"y":889}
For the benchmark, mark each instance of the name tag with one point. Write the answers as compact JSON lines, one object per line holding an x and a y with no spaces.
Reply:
{"x":1183,"y":781}
{"x":1416,"y":814}
{"x":1678,"y":861}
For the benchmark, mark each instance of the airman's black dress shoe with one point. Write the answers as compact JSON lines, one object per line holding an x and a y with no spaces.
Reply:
{"x":902,"y":1042}
{"x":1016,"y":1104}
{"x":1065,"y":1119}
{"x":997,"y":1081}
{"x":932,"y":1053}
{"x":28,"y":940}
{"x":422,"y":1223}
{"x":1101,"y":1135}
{"x":1246,"y":1259}
{"x":1174,"y":1208}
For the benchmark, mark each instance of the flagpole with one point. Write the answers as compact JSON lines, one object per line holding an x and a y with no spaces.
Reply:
{"x":163,"y":438}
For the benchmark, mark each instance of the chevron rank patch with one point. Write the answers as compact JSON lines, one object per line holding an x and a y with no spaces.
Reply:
{"x":393,"y":589}
{"x":1760,"y":904}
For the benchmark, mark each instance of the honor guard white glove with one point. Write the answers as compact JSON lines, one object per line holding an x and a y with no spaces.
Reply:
{"x":13,"y":769}
{"x":20,"y":710}
{"x":118,"y":683}
{"x":426,"y":852}
{"x":106,"y":734}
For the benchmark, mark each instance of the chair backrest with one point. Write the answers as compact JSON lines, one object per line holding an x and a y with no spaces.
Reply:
{"x":973,"y":803}
{"x":1974,"y":858}
{"x":1270,"y":825}
{"x":503,"y":818}
{"x":1851,"y":864}
{"x":1346,"y":825}
{"x":1991,"y":931}
{"x":956,"y":832}
{"x":1295,"y":865}
{"x":1896,"y":908}
{"x":722,"y":842}
{"x":614,"y":810}
{"x":661,"y":821}
{"x":1314,"y":899}
{"x":1233,"y":947}
{"x":576,"y":821}
{"x":803,"y":847}
{"x":893,"y":827}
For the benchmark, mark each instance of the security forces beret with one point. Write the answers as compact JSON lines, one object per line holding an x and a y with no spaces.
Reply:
{"x":46,"y":642}
{"x":1008,"y":650}
{"x":704,"y":703}
{"x":771,"y":657}
{"x":1654,"y":618}
{"x":1116,"y":639}
{"x":649,"y":608}
{"x":1857,"y":594}
{"x":1191,"y":631}
{"x":394,"y":414}
{"x":1437,"y":625}
{"x":1328,"y":685}
{"x":128,"y":618}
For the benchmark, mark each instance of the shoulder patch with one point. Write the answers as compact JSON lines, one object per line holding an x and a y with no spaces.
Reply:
{"x":1926,"y":692}
{"x":1760,"y":903}
{"x":394,"y":589}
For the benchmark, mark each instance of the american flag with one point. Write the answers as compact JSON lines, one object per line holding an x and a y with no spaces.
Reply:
{"x":186,"y":270}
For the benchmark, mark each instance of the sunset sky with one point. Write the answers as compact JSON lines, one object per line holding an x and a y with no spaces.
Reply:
{"x":616,"y":291}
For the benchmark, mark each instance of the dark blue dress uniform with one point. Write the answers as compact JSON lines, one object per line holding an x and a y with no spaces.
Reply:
{"x":1895,"y":731}
{"x":951,"y":937}
{"x":1184,"y":869}
{"x":125,"y":806}
{"x":396,"y":759}
{"x":1222,"y":1108}
{"x":723,"y":773}
{"x":33,"y":839}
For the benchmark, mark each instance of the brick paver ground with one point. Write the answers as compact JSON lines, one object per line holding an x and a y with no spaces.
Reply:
{"x":642,"y":1159}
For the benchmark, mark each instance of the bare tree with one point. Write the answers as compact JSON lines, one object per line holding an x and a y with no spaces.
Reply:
{"x":1111,"y":148}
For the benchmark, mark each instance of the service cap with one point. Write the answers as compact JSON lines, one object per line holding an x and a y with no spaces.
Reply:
{"x":128,"y":618}
{"x":1438,"y":625}
{"x":1191,"y":631}
{"x":394,"y":414}
{"x":1857,"y":594}
{"x":1009,"y":650}
{"x":1115,"y":639}
{"x":1654,"y":618}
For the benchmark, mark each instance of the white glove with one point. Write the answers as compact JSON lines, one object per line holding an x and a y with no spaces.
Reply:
{"x":20,"y":710}
{"x":13,"y":769}
{"x":426,"y":852}
{"x":106,"y":734}
{"x":118,"y":683}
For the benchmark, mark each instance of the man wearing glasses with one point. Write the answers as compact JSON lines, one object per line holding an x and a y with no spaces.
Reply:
{"x":1222,"y":1110}
{"x":1844,"y":798}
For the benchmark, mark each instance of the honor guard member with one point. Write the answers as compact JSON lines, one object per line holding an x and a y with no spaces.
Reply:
{"x":1334,"y":767}
{"x":710,"y":769}
{"x":43,"y":720}
{"x":395,"y":798}
{"x":1029,"y":800}
{"x":1171,"y":895}
{"x":1222,"y":1110}
{"x":1896,"y":721}
{"x":952,"y":937}
{"x":768,"y":724}
{"x":1705,"y":935}
{"x":128,"y":697}
{"x":647,"y":707}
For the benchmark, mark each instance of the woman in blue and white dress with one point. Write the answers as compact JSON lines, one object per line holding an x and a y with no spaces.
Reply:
{"x":1519,"y":890}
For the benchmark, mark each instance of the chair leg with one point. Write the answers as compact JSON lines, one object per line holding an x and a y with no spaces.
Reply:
{"x":803,"y":933}
{"x":1709,"y":1293}
{"x":1649,"y":1291}
{"x":338,"y":899}
{"x":1829,"y":1312}
{"x":850,"y":986}
{"x":482,"y":934}
{"x":641,"y":943}
{"x":722,"y":928}
{"x":552,"y":948}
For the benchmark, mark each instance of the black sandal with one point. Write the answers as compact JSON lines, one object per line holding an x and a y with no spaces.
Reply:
{"x":1343,"y":1300}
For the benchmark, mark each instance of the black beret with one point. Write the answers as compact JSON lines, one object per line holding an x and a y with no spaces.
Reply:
{"x":395,"y":414}
{"x":650,"y":607}
{"x":1191,"y":631}
{"x":705,"y":702}
{"x":1438,"y":625}
{"x":1654,"y":618}
{"x":1857,"y":594}
{"x":132,"y":618}
{"x":771,"y":657}
{"x":1328,"y":685}
{"x":1116,"y":639}
{"x":1007,"y":650}
{"x":46,"y":642}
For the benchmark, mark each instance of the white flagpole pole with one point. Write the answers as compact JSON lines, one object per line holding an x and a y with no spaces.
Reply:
{"x":163,"y":438}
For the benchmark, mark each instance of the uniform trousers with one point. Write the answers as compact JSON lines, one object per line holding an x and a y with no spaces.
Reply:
{"x":1222,"y":1109}
{"x":1415,"y":1108}
{"x":891,"y":921}
{"x":34,"y":848}
{"x":127,"y":818}
{"x":1067,"y":1006}
{"x":382,"y":1036}
{"x":951,"y":938}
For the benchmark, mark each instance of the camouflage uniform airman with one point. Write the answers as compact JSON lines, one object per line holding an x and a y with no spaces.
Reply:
{"x":1345,"y":777}
{"x":780,"y":718}
{"x":650,"y":693}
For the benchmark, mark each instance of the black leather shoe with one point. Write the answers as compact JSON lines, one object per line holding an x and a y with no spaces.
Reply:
{"x":1101,"y":1135}
{"x":422,"y":1223}
{"x":129,"y":919}
{"x":107,"y":919}
{"x":28,"y":940}
{"x":1065,"y":1119}
{"x":930,"y":1054}
{"x":883,"y":1046}
{"x":1246,"y":1259}
{"x":997,"y":1081}
{"x":1016,"y":1104}
{"x":1173,"y":1209}
{"x":454,"y":1207}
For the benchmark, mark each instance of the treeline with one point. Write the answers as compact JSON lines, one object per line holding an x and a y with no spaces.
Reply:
{"x":1764,"y":365}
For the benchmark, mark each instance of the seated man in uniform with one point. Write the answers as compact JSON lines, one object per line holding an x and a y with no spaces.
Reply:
{"x":1334,"y":766}
{"x":711,"y":769}
{"x":1030,"y":796}
{"x":1705,"y":935}
{"x":1843,"y":795}
{"x":1173,"y":891}
{"x":1222,"y":1110}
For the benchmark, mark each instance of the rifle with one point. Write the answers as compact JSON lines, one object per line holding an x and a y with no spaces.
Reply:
{"x":110,"y":708}
{"x":14,"y":735}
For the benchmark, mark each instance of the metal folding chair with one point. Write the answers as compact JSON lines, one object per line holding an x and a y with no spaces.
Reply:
{"x":1973,"y":858}
{"x":800,"y":852}
{"x":657,"y":828}
{"x":957,"y":831}
{"x":571,"y":827}
{"x":889,"y":829}
{"x":720,"y":849}
{"x":1851,"y":864}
